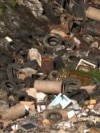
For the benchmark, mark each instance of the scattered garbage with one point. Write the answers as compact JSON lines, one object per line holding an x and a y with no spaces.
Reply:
{"x":49,"y":66}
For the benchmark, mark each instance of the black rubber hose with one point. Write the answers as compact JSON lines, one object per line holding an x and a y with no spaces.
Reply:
{"x":8,"y":86}
{"x":12,"y":70}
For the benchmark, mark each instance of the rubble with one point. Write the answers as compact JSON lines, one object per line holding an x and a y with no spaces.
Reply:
{"x":49,"y":66}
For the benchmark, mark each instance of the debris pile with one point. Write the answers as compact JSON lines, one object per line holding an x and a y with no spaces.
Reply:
{"x":50,"y":66}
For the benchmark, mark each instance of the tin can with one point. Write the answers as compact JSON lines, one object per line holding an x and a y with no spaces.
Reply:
{"x":47,"y":64}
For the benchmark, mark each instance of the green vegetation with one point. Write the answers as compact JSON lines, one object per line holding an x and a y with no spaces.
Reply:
{"x":93,"y":74}
{"x":1,"y":8}
{"x":14,"y":3}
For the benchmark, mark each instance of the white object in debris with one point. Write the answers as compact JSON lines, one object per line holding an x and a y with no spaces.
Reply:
{"x":34,"y":54}
{"x":70,"y":114}
{"x":40,"y":108}
{"x":65,"y":125}
{"x":85,"y":63}
{"x":77,"y":40}
{"x":87,"y":131}
{"x":27,"y":71}
{"x":8,"y":39}
{"x":14,"y":127}
{"x":94,"y":45}
{"x":40,"y":97}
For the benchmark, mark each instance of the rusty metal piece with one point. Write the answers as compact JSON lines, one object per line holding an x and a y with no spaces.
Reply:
{"x":61,"y":29}
{"x":83,"y":78}
{"x":47,"y":64}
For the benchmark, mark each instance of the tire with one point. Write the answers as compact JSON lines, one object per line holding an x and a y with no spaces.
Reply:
{"x":52,"y":40}
{"x":78,"y":95}
{"x":53,"y":75}
{"x":71,"y":84}
{"x":52,"y":13}
{"x":55,"y":11}
{"x":54,"y":116}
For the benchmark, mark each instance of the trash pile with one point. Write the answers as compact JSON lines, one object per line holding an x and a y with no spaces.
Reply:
{"x":50,"y":66}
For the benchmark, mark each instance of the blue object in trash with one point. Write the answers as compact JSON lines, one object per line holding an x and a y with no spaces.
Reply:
{"x":64,"y":101}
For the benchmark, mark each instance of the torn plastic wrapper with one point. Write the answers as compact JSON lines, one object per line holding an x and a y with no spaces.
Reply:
{"x":33,"y":54}
{"x":63,"y":100}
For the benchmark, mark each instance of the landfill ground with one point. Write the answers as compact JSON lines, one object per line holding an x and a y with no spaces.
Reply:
{"x":49,"y":66}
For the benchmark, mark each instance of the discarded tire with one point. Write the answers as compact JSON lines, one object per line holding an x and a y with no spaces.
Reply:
{"x":71,"y":84}
{"x":54,"y":116}
{"x":55,"y":11}
{"x":52,"y":40}
{"x":53,"y":75}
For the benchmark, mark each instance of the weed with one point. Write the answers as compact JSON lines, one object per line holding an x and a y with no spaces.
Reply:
{"x":1,"y":8}
{"x":14,"y":3}
{"x":93,"y":74}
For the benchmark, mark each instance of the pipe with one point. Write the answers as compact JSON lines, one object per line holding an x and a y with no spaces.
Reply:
{"x":53,"y":87}
{"x":93,"y":13}
{"x":97,"y":2}
{"x":14,"y":112}
{"x":89,"y":89}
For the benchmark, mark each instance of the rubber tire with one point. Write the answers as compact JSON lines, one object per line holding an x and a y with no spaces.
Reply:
{"x":57,"y":38}
{"x":53,"y":75}
{"x":71,"y":84}
{"x":54,"y":113}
